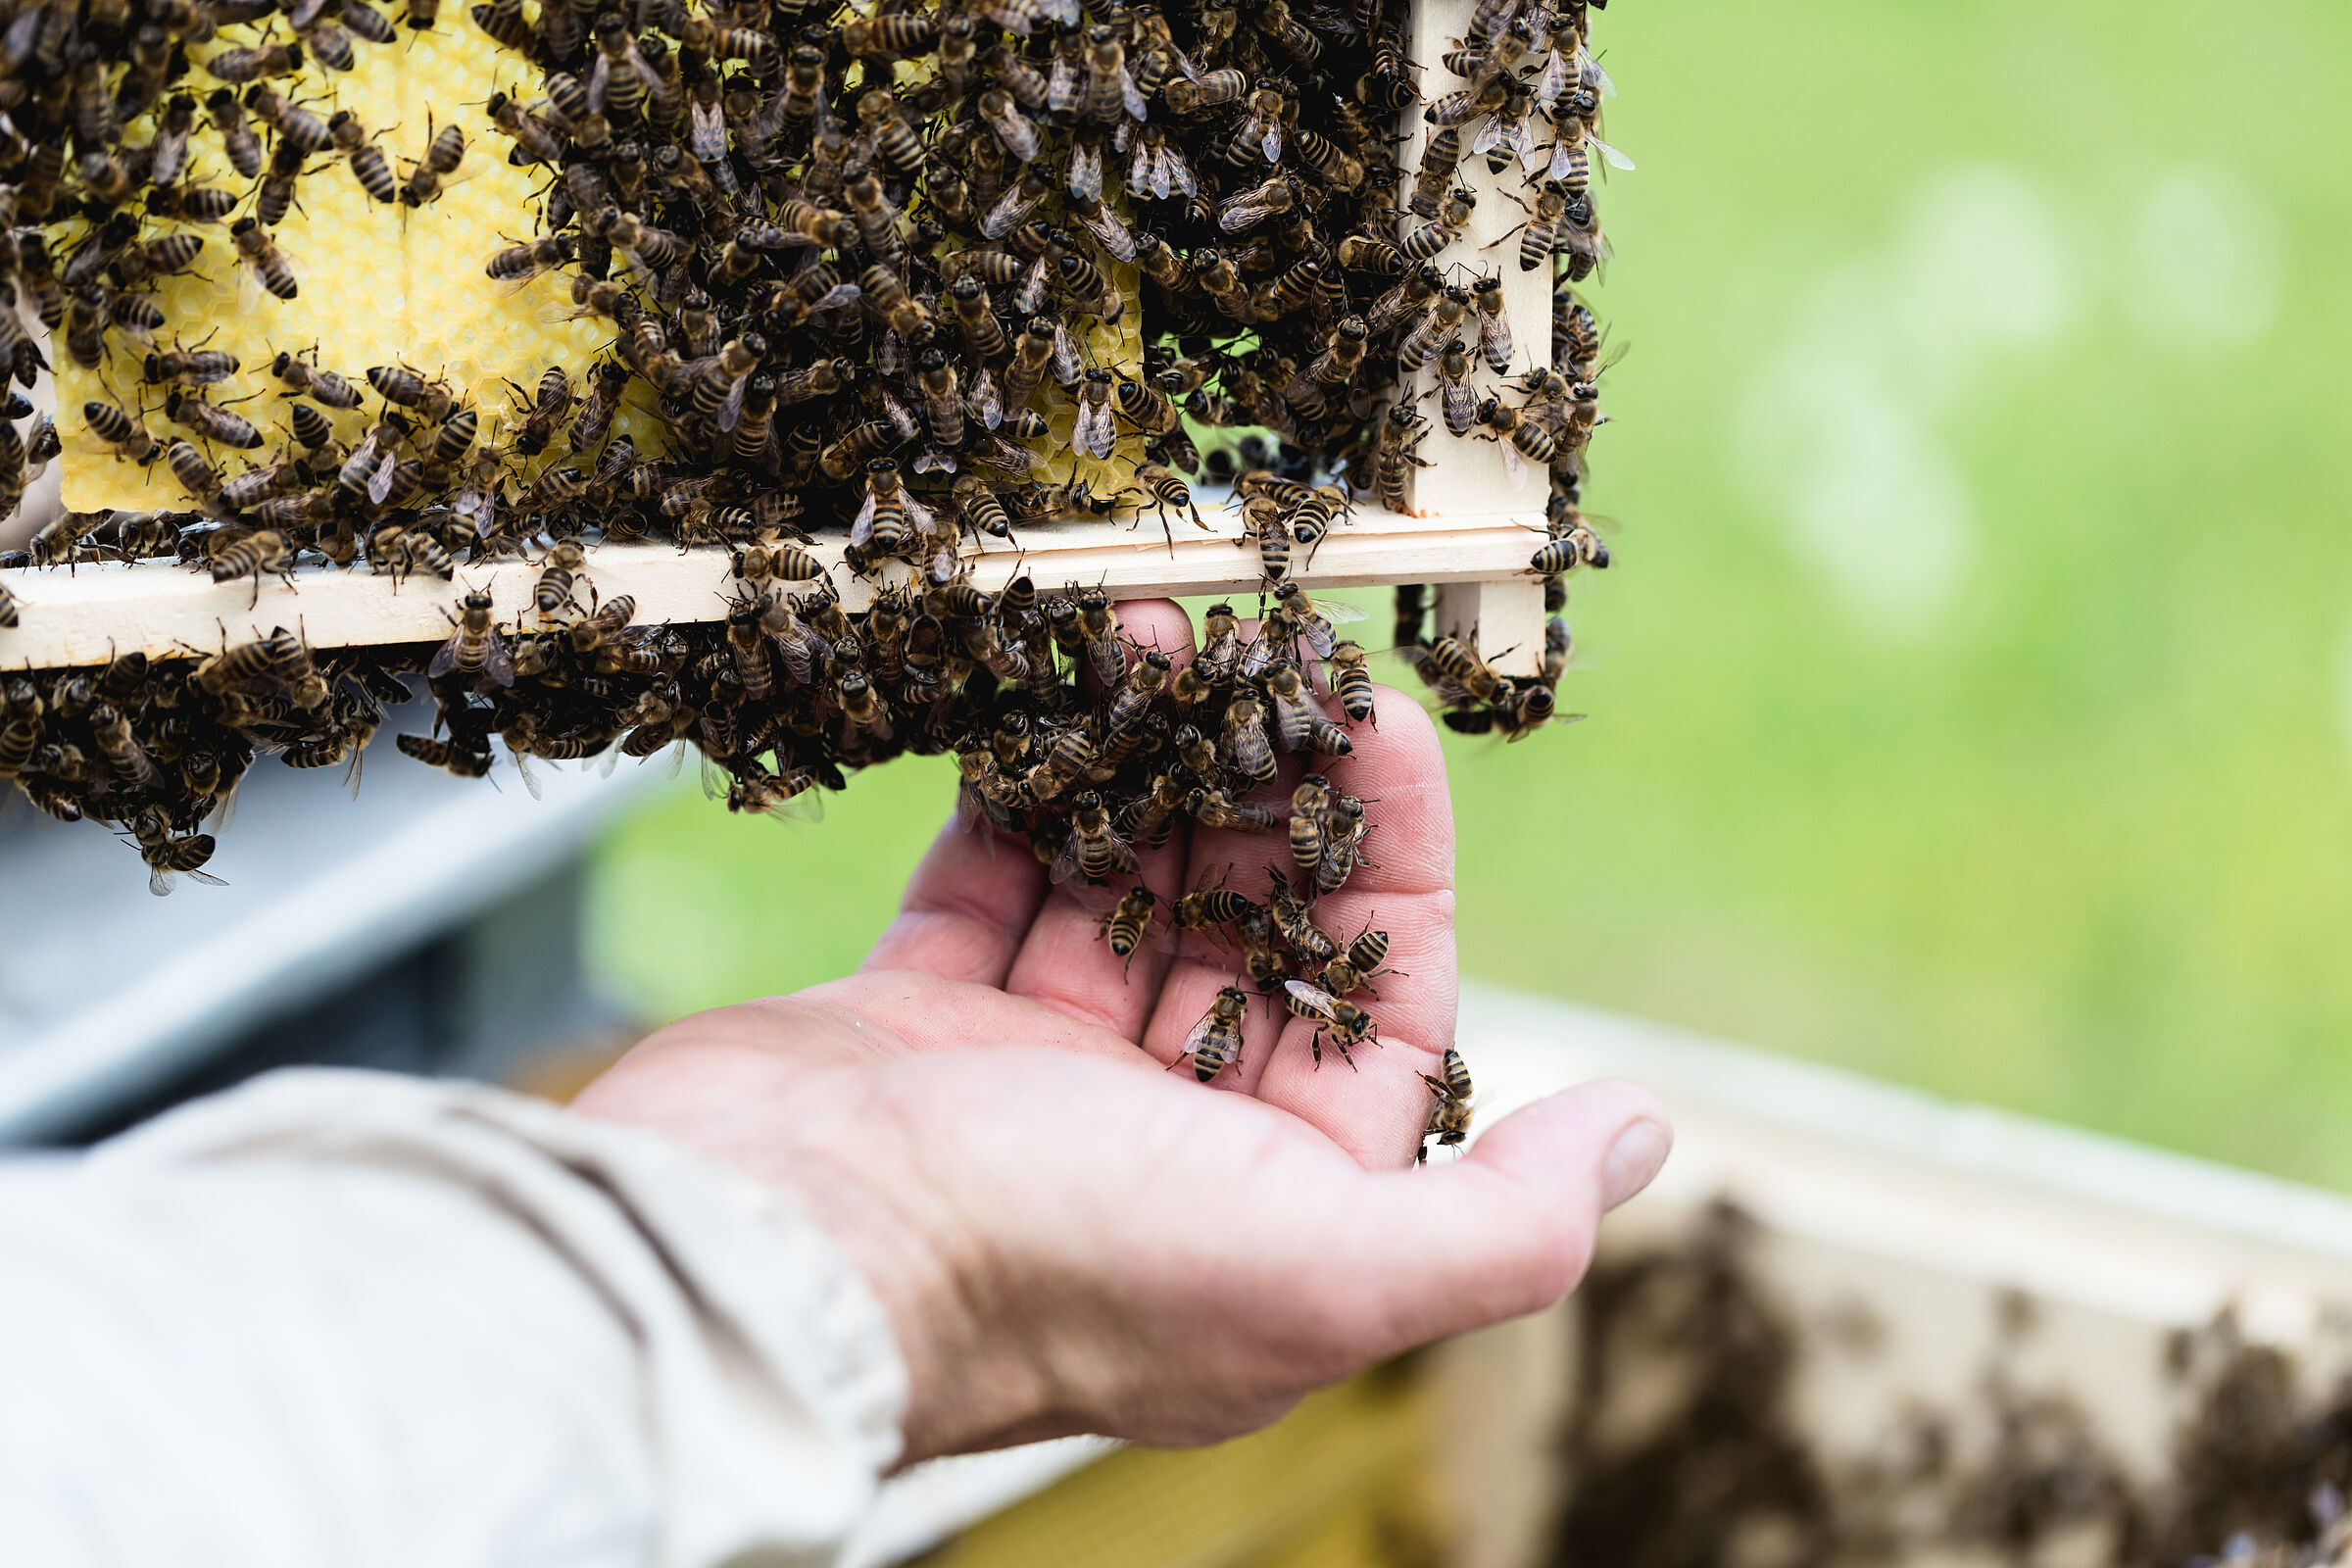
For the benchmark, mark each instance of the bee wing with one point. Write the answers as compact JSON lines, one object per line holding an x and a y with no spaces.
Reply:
{"x":1610,"y":155}
{"x":708,"y":132}
{"x":1033,"y":288}
{"x":1600,"y":78}
{"x":1132,"y":97}
{"x":1563,"y":157}
{"x":1004,"y":217}
{"x":1061,"y":85}
{"x":1124,"y":853}
{"x":1490,"y":134}
{"x":985,"y":402}
{"x":1142,"y":171}
{"x":1104,"y":223}
{"x":1180,"y":173}
{"x":1095,"y":432}
{"x":861,"y":531}
{"x":1065,"y":865}
{"x":730,"y":410}
{"x":530,"y":779}
{"x":598,"y":79}
{"x":1514,"y":466}
{"x":1312,"y":998}
{"x":1583,"y":239}
{"x":806,"y":806}
{"x":1554,"y":81}
{"x":1340,"y":610}
{"x":380,"y":483}
{"x":498,"y":664}
{"x":924,"y":518}
{"x":157,"y":882}
{"x":1461,"y":408}
{"x":714,"y":778}
{"x":839,"y":297}
{"x":1273,"y":144}
{"x":1064,"y":362}
{"x":1185,"y":64}
{"x":1494,"y":341}
{"x":249,"y":287}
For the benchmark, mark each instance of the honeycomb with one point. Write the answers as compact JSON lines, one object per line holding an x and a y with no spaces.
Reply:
{"x":380,"y":284}
{"x":387,"y":283}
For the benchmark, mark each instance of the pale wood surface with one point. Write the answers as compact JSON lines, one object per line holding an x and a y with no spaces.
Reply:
{"x":1502,"y":618}
{"x":89,"y":613}
{"x":1467,"y":474}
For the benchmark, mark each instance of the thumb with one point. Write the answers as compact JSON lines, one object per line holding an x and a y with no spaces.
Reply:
{"x":1509,"y":1230}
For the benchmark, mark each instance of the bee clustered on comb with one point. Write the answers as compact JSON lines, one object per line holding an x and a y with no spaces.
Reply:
{"x":931,"y":274}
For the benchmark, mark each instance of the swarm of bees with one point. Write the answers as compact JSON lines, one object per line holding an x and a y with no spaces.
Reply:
{"x":851,"y":258}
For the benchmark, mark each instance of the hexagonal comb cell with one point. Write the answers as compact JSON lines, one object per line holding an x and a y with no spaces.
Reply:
{"x":378,"y":283}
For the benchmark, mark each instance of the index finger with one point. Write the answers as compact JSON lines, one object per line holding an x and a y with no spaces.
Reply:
{"x":1377,"y":1111}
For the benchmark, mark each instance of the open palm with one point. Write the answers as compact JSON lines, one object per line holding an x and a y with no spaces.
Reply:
{"x":1070,"y":1238}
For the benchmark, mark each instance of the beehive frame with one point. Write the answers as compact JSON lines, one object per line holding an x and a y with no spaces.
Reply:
{"x":1470,"y":530}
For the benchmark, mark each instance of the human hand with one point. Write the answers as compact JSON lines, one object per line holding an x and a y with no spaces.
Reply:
{"x":1069,"y":1239}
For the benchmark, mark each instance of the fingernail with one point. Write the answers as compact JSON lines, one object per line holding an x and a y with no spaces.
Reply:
{"x":1634,"y":1161}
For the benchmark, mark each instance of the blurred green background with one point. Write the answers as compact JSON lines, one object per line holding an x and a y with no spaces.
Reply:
{"x":1969,"y":700}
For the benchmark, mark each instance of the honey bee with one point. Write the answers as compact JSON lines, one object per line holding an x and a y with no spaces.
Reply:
{"x":1449,"y":1111}
{"x":536,"y":141}
{"x":167,"y":856}
{"x":196,"y":474}
{"x":1446,"y":229}
{"x":1351,"y":679}
{"x":263,"y":552}
{"x":125,"y":433}
{"x":1519,"y":437}
{"x":263,"y":268}
{"x":1095,"y":850}
{"x":1494,"y":327}
{"x":237,"y":138}
{"x":1215,"y":1042}
{"x":368,"y":166}
{"x":1397,"y":454}
{"x":1452,"y":666}
{"x":1125,"y":927}
{"x":1346,"y":1024}
{"x":475,"y":648}
{"x":1298,"y":725}
{"x":240,"y":66}
{"x":1359,"y":965}
{"x":211,"y":421}
{"x":557,"y":576}
{"x":412,"y":389}
{"x":191,"y":204}
{"x":443,"y":155}
{"x":1244,"y":745}
{"x":308,"y":379}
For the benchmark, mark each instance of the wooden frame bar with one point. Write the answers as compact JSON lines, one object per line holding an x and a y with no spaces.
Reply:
{"x":89,"y":613}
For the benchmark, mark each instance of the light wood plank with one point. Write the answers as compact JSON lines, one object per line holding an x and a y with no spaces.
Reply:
{"x":1467,"y":474}
{"x":89,"y":613}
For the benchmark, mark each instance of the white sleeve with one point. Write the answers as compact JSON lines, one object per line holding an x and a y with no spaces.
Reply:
{"x":344,"y":1318}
